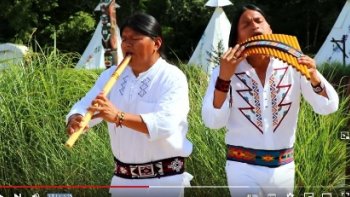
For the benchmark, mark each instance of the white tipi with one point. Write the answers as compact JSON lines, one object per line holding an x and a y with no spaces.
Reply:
{"x":214,"y":39}
{"x":93,"y":56}
{"x":331,"y":50}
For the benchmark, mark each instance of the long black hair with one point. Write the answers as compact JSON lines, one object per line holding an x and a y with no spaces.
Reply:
{"x":235,"y":20}
{"x":144,"y":24}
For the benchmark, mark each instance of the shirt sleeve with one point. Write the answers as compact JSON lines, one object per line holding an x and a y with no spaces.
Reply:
{"x":170,"y":114}
{"x":319,"y":103}
{"x":81,"y":106}
{"x":214,"y":118}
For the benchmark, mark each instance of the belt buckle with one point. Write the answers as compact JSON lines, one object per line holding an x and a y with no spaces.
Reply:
{"x":146,"y":170}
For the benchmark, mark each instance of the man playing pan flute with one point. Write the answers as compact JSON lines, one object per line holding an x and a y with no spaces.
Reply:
{"x":146,"y":111}
{"x":257,"y":99}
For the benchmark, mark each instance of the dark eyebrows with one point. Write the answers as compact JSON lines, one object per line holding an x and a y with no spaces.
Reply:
{"x":254,"y":18}
{"x":259,"y":18}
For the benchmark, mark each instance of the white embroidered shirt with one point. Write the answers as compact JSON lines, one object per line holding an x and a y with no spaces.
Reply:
{"x":160,"y":96}
{"x":265,"y":117}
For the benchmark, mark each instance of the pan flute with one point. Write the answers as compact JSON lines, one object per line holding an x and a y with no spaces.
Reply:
{"x":281,"y":46}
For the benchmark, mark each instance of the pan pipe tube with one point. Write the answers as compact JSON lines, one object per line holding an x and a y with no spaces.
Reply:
{"x":281,"y":46}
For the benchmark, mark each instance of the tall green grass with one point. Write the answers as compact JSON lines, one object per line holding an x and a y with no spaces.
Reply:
{"x":320,"y":153}
{"x":35,"y":98}
{"x":208,"y":158}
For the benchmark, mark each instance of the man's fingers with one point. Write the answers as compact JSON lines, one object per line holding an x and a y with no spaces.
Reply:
{"x":99,"y":115}
{"x":236,"y":47}
{"x":239,"y":52}
{"x":71,"y":130}
{"x":101,"y":96}
{"x":75,"y":127}
{"x":310,"y":63}
{"x":95,"y":108}
{"x":98,"y":102}
{"x":242,"y":57}
{"x":234,"y":54}
{"x":226,"y":53}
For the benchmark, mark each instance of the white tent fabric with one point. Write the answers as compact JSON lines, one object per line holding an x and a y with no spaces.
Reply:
{"x":11,"y":54}
{"x":218,"y":3}
{"x":93,"y":56}
{"x":217,"y":32}
{"x":329,"y":51}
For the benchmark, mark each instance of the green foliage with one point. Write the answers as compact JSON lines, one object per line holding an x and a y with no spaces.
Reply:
{"x":35,"y":98}
{"x":80,"y":25}
{"x":336,"y":71}
{"x":215,"y":55}
{"x":184,"y":21}
{"x":188,"y":19}
{"x":23,"y":17}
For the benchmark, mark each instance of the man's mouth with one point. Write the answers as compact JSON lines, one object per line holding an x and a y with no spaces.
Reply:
{"x":128,"y":53}
{"x":257,"y":33}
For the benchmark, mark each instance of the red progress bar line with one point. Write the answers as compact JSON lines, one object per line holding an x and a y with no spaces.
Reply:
{"x":73,"y":186}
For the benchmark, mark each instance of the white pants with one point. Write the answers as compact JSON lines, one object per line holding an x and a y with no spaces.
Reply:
{"x":246,"y":180}
{"x":169,"y":186}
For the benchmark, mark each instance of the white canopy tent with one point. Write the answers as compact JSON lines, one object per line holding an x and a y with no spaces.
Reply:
{"x":11,"y":54}
{"x":214,"y":39}
{"x":93,"y":56}
{"x":331,"y":50}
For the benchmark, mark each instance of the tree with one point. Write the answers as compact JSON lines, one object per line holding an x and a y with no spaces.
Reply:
{"x":78,"y":27}
{"x":183,"y":21}
{"x":24,"y":17}
{"x":25,"y":20}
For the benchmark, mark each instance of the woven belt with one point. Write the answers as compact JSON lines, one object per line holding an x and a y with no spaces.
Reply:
{"x":268,"y":158}
{"x":160,"y":168}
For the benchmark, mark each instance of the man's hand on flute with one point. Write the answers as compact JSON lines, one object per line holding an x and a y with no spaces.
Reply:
{"x":74,"y":123}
